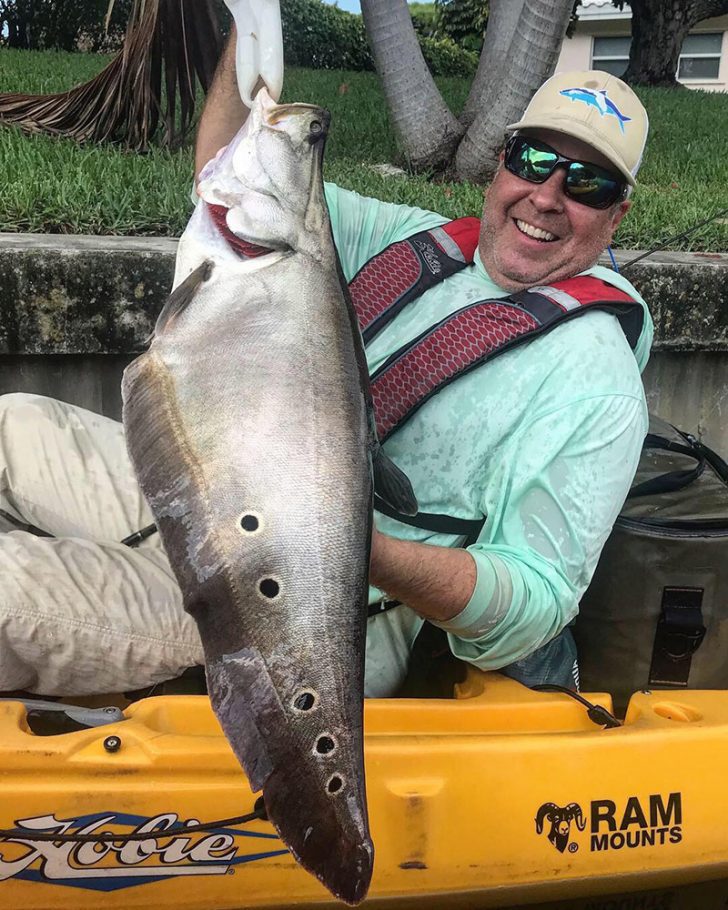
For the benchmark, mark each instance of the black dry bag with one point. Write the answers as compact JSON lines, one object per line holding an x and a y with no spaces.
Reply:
{"x":656,"y":612}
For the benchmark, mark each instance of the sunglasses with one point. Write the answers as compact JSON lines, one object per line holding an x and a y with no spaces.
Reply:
{"x":585,"y":182}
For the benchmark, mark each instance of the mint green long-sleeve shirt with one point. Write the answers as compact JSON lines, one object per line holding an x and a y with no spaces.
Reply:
{"x":544,"y":440}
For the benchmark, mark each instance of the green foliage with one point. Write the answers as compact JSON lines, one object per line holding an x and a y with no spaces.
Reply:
{"x":444,"y":57}
{"x":464,"y":21}
{"x":321,"y":36}
{"x":46,"y":24}
{"x":58,"y":186}
{"x":424,"y":19}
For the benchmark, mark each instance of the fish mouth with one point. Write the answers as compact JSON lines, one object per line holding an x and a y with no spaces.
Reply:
{"x":324,"y":827}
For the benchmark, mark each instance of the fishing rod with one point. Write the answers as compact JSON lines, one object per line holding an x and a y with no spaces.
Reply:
{"x":665,"y":243}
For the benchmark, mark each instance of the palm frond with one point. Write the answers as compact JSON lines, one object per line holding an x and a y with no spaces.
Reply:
{"x":170,"y":46}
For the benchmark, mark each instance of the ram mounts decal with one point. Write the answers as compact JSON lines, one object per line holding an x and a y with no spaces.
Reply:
{"x":560,"y":821}
{"x":654,"y":821}
{"x":112,"y":865}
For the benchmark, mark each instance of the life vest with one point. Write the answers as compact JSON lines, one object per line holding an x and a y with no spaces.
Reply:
{"x":467,"y":338}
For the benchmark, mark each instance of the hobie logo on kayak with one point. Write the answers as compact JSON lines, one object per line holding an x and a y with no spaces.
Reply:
{"x":654,"y":821}
{"x":111,"y":865}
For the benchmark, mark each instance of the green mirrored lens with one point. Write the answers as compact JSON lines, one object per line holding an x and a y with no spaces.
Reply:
{"x":591,"y":185}
{"x":535,"y":164}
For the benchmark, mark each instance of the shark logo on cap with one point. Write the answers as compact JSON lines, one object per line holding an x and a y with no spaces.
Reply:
{"x":599,"y":100}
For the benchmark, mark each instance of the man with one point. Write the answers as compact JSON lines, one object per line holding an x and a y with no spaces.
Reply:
{"x":544,"y":441}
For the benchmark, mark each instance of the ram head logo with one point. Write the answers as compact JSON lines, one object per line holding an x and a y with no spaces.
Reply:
{"x":561,"y":820}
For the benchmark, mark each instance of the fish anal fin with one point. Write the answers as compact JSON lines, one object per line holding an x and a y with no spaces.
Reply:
{"x":182,"y":295}
{"x":240,"y":691}
{"x":392,"y":484}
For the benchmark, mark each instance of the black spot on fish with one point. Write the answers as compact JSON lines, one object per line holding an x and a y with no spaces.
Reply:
{"x":269,"y":588}
{"x":324,"y":745}
{"x":335,"y":784}
{"x":304,"y":701}
{"x":249,"y":523}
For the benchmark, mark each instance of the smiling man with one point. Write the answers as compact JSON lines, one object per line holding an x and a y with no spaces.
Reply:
{"x":538,"y":445}
{"x":520,"y":465}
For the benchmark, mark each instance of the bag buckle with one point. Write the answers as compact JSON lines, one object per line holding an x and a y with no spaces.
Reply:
{"x":679,"y":633}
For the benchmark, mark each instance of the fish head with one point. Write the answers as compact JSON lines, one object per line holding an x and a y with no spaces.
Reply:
{"x":269,"y":178}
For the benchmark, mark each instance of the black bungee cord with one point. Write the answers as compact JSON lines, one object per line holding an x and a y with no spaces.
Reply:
{"x":670,"y":240}
{"x":596,"y":713}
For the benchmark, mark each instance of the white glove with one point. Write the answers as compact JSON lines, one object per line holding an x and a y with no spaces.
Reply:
{"x":259,"y":51}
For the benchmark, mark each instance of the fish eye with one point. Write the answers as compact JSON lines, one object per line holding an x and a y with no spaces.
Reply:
{"x":316,"y":126}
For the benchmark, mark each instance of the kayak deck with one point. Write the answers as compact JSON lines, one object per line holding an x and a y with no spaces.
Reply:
{"x":496,"y":797}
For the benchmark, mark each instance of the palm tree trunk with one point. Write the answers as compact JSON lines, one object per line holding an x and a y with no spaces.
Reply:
{"x":531,"y":59}
{"x":428,"y":130}
{"x":503,"y":20}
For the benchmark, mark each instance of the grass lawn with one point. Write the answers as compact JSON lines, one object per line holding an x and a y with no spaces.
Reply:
{"x":54,"y":185}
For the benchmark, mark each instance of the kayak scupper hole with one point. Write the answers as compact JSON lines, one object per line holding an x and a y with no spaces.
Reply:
{"x":335,"y":784}
{"x":305,"y":701}
{"x":325,"y":745}
{"x":250,"y":522}
{"x":675,"y":711}
{"x":269,"y":588}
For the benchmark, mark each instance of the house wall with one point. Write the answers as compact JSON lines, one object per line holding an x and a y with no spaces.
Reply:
{"x":576,"y":51}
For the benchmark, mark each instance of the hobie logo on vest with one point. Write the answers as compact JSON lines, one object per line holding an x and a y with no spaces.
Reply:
{"x":654,"y":821}
{"x":111,"y":865}
{"x":429,"y":254}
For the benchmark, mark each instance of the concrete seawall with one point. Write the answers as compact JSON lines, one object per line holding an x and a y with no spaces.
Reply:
{"x":75,"y":310}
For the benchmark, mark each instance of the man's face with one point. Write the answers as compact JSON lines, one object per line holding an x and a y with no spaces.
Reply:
{"x":569,"y":235}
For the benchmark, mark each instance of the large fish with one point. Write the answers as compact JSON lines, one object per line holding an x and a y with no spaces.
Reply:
{"x":249,"y":425}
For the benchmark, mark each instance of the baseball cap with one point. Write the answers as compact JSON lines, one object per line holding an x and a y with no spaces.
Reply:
{"x":597,"y":108}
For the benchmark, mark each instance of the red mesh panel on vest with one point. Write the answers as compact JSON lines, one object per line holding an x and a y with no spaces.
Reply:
{"x":382,"y":282}
{"x":441,"y":355}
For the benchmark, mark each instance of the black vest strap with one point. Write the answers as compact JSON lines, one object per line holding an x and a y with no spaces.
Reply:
{"x":469,"y":528}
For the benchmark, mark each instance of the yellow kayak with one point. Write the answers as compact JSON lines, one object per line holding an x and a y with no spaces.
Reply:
{"x":498,"y":797}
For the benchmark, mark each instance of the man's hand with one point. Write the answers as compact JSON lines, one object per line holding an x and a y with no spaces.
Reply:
{"x":224,"y":112}
{"x":436,"y":582}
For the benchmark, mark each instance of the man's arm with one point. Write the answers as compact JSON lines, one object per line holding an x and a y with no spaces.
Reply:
{"x":224,"y":112}
{"x":436,"y":582}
